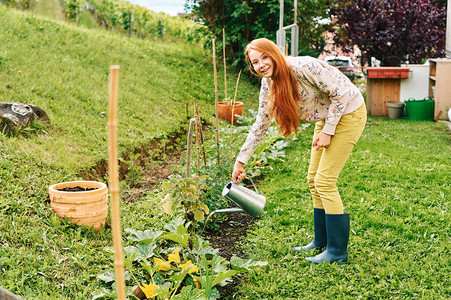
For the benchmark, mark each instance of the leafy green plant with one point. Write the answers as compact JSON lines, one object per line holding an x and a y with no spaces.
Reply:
{"x":172,"y":263}
{"x":134,"y":170}
{"x":185,"y":193}
{"x":22,"y":4}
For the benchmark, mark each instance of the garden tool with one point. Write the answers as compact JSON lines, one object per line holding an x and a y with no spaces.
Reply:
{"x":337,"y":228}
{"x":246,"y":199}
{"x":319,"y":226}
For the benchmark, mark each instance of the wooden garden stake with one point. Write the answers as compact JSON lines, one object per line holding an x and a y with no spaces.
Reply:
{"x":201,"y":134}
{"x":189,"y":146}
{"x":216,"y":100}
{"x":114,"y":183}
{"x":224,"y":57}
{"x":233,"y":108}
{"x":197,"y":135}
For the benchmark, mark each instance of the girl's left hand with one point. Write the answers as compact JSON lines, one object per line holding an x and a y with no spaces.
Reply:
{"x":322,"y":140}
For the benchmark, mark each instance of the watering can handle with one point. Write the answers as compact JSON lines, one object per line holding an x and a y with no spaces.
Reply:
{"x":253,"y":184}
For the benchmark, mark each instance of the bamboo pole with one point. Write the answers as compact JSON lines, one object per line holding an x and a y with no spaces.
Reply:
{"x":114,"y":182}
{"x":224,"y":57}
{"x":189,"y":145}
{"x":216,"y":100}
{"x":233,"y":109}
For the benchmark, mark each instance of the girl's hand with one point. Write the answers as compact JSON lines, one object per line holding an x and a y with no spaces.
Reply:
{"x":322,"y":140}
{"x":238,"y":172}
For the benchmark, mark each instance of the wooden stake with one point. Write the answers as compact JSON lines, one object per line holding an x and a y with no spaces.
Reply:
{"x":189,"y":146}
{"x":216,"y":100}
{"x":201,"y":134}
{"x":197,"y":134}
{"x":225,"y":68}
{"x":114,"y":182}
{"x":233,"y":110}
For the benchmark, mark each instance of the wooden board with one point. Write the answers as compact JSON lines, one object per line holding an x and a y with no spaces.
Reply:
{"x":378,"y":92}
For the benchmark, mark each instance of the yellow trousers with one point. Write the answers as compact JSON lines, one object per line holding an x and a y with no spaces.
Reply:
{"x":326,"y":164}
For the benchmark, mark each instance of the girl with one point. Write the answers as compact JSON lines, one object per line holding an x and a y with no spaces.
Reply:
{"x":295,"y":88}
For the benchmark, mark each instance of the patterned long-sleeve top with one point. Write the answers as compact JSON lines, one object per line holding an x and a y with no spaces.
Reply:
{"x":325,"y":94}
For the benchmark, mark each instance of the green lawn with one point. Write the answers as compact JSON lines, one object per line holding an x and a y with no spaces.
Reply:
{"x":396,"y":186}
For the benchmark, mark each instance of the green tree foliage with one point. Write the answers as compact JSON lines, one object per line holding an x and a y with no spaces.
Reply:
{"x":246,"y":20}
{"x":392,"y":31}
{"x":21,"y":4}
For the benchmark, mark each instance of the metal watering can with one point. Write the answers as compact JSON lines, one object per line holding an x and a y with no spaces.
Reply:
{"x":246,"y":199}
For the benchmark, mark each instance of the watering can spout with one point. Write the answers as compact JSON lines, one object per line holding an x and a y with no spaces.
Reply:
{"x":246,"y":199}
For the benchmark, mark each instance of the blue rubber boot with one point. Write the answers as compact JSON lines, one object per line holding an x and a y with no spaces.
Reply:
{"x":319,"y":226}
{"x":337,"y":228}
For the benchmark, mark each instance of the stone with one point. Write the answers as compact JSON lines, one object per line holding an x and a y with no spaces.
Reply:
{"x":16,"y":115}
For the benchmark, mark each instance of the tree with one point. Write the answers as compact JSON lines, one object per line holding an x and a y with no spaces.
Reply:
{"x":393,"y":31}
{"x":245,"y":20}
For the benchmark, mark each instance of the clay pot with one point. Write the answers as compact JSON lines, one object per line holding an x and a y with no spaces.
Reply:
{"x":225,"y":111}
{"x":88,"y":207}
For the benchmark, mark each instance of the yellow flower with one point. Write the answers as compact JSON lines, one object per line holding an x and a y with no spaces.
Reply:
{"x":164,"y":265}
{"x":192,"y":268}
{"x":150,"y":290}
{"x":174,"y":257}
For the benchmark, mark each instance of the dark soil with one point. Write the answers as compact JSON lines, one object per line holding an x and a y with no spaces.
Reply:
{"x":226,"y":237}
{"x":77,"y":189}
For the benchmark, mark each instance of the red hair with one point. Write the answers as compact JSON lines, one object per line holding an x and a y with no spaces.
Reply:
{"x":284,"y":91}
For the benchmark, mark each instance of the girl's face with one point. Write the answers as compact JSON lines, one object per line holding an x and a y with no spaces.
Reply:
{"x":261,"y":63}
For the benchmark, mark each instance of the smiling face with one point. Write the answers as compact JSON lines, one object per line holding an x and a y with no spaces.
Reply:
{"x":261,"y":63}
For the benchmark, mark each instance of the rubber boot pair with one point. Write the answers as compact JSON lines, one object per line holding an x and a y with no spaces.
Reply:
{"x":336,"y":237}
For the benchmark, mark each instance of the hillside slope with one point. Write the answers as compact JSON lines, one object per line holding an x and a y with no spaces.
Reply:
{"x":64,"y":70}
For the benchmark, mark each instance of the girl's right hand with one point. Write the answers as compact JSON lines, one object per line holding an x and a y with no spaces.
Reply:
{"x":238,"y":172}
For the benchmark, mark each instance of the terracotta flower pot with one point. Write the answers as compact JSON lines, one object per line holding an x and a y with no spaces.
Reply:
{"x":225,"y":111}
{"x":89,"y":207}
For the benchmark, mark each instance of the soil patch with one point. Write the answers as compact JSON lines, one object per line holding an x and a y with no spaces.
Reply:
{"x":228,"y":233}
{"x":77,"y":189}
{"x":227,"y":237}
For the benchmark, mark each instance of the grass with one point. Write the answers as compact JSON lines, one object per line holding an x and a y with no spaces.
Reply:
{"x":64,"y":69}
{"x":395,"y":184}
{"x":396,"y":187}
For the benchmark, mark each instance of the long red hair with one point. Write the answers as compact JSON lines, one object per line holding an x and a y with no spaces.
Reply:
{"x":283,"y":89}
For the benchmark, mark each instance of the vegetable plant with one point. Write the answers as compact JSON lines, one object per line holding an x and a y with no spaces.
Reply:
{"x":172,"y":263}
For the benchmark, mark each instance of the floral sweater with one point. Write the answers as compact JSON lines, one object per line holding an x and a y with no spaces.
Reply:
{"x":326,"y":94}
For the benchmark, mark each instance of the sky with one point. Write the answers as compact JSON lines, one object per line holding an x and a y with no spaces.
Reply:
{"x":171,"y":7}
